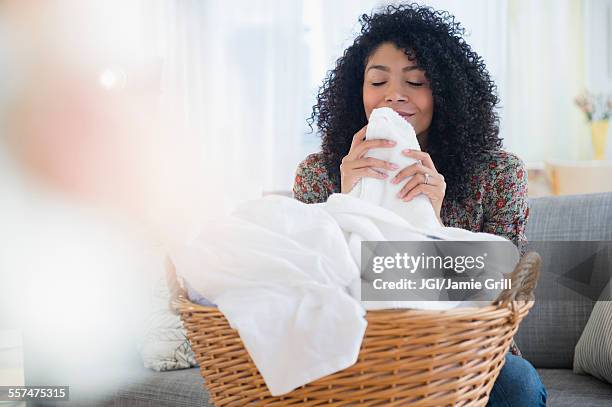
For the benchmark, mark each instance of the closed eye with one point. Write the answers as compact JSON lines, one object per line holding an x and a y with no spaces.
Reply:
{"x":417,"y":84}
{"x":378,"y":83}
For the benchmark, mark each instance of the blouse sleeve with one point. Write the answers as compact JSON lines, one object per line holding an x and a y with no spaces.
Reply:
{"x":506,"y":208}
{"x":312,"y":183}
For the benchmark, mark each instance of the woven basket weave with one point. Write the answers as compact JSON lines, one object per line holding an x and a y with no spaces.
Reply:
{"x":408,"y":357}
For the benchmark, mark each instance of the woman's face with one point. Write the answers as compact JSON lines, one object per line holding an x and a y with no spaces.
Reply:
{"x":392,"y":80}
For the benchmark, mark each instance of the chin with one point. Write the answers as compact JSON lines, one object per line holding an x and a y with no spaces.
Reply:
{"x":412,"y":123}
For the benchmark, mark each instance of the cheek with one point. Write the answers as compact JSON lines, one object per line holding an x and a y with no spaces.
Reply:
{"x":426,"y":104}
{"x":371,"y":99}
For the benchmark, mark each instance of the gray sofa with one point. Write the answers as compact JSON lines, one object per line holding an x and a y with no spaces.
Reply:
{"x":547,"y":336}
{"x":549,"y":333}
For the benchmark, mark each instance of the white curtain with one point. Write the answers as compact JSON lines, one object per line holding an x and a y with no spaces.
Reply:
{"x":545,"y":71}
{"x":237,"y":72}
{"x":245,"y":76}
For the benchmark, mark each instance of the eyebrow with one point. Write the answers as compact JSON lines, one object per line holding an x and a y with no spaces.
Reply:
{"x":387,"y":69}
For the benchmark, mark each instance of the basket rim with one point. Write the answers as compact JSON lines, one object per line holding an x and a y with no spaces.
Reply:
{"x":182,"y":304}
{"x":516,"y":299}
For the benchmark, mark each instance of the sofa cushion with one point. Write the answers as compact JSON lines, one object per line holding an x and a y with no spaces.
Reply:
{"x":546,"y":338}
{"x":571,"y":217}
{"x":174,"y":388}
{"x":183,"y":388}
{"x":147,"y":388}
{"x":548,"y":335}
{"x":566,"y":389}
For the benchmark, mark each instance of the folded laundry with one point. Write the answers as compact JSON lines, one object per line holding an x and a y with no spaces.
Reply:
{"x":287,"y":275}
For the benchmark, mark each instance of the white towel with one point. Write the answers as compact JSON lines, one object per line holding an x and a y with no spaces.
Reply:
{"x":385,"y":123}
{"x":286,"y":275}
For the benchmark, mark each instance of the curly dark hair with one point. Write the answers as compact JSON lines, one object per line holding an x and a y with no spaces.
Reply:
{"x":465,"y":124}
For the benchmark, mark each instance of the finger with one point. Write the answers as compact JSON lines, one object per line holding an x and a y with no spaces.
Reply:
{"x":370,"y":173}
{"x":431,"y":191}
{"x":348,"y":166}
{"x":433,"y":180}
{"x":359,"y":136}
{"x":412,"y":169}
{"x":374,"y":163}
{"x":365,"y":146}
{"x":418,"y":179}
{"x":421,"y":155}
{"x":410,"y":185}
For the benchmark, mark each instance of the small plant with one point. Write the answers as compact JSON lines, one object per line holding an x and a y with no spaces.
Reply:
{"x":595,"y":106}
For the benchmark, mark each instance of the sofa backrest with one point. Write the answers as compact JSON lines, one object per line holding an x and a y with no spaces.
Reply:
{"x":549,"y":333}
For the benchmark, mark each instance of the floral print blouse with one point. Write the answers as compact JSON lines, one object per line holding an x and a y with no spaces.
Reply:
{"x":497,"y":203}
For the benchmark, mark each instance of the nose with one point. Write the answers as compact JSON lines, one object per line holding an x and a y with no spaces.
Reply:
{"x":395,"y":93}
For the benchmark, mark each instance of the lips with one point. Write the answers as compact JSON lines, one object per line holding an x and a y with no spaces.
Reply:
{"x":405,"y":115}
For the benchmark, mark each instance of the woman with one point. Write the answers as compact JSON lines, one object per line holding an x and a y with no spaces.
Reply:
{"x":414,"y":60}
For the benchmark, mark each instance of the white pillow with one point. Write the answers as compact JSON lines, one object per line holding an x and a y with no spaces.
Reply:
{"x":165,"y":346}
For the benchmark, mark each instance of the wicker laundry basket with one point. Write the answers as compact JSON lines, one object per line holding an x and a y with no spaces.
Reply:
{"x":408,"y":357}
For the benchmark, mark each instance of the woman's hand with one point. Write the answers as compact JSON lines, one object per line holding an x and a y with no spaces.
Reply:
{"x":432,"y":184}
{"x":355,"y":166}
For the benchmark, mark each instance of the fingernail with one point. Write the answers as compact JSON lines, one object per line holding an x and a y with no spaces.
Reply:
{"x":399,"y":194}
{"x":394,"y":166}
{"x":406,"y":151}
{"x":394,"y":181}
{"x":391,"y":142}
